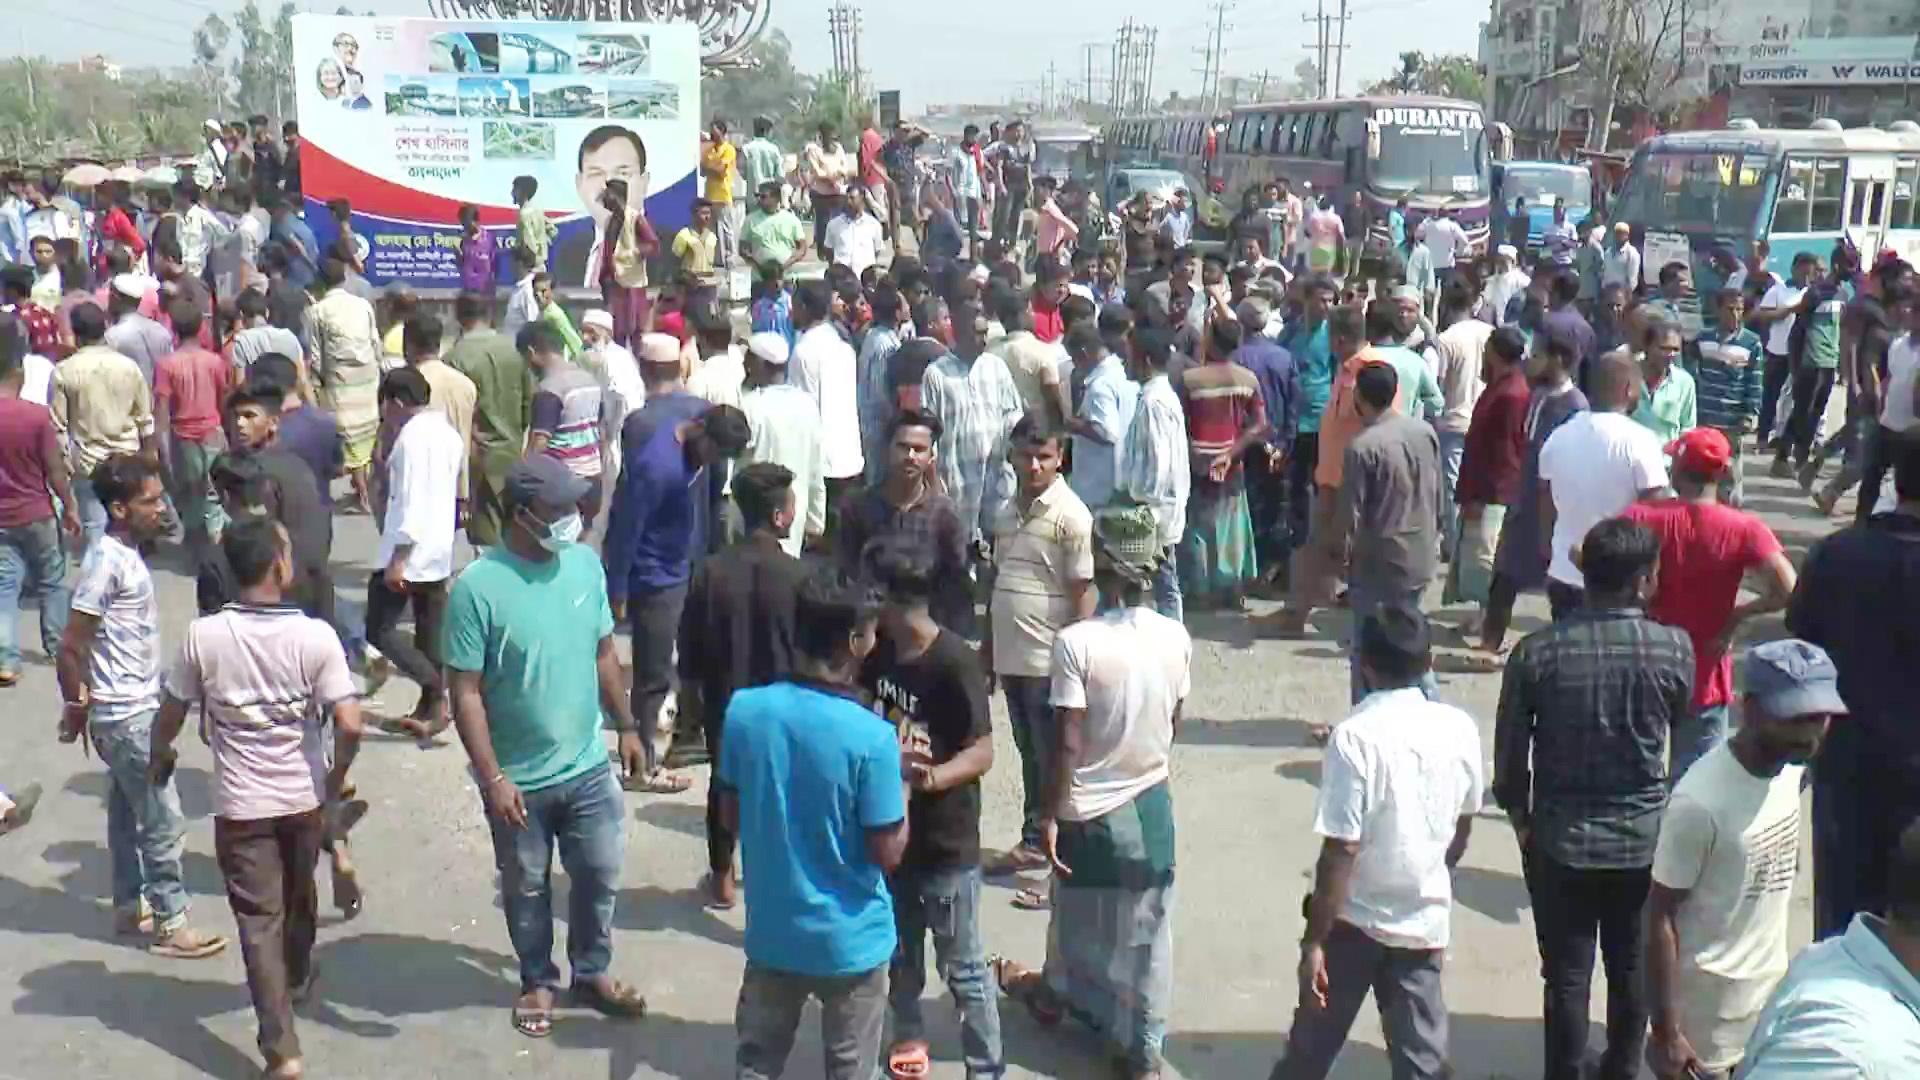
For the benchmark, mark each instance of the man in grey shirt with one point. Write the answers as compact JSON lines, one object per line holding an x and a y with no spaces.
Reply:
{"x":132,"y":334}
{"x":1389,"y":504}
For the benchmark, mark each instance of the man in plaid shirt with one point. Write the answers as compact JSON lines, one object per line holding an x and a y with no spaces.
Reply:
{"x":1580,"y":767}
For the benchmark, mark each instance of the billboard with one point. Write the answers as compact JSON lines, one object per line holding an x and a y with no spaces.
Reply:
{"x":408,"y":119}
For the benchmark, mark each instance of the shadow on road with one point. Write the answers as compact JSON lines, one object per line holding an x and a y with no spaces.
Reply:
{"x":1513,"y":1043}
{"x":1494,"y":893}
{"x":1278,"y":732}
{"x":162,"y":1011}
{"x":195,"y":786}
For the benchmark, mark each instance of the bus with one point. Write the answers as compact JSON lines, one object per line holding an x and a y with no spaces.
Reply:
{"x":1543,"y":185}
{"x":1799,"y":190}
{"x":1435,"y":151}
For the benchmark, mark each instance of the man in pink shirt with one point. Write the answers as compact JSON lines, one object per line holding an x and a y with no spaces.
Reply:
{"x":1056,"y":231}
{"x":188,"y":386}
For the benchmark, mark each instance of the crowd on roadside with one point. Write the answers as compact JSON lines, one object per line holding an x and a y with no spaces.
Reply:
{"x":1007,"y":464}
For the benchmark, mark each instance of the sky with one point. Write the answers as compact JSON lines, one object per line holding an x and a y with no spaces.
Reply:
{"x":904,"y":44}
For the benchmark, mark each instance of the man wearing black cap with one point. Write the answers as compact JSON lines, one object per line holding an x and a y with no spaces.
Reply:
{"x":529,"y":644}
{"x":1401,"y":783}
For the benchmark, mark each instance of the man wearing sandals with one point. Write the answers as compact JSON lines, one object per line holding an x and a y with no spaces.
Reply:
{"x":263,"y":676}
{"x":812,"y":785}
{"x":529,"y":644}
{"x":109,"y":671}
{"x":929,"y":684}
{"x":1118,"y":682}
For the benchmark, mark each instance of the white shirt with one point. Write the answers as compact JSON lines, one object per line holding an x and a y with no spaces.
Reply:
{"x":1780,"y":331}
{"x":1446,"y":241}
{"x":784,"y":428}
{"x":719,"y":377}
{"x":1455,"y":356}
{"x":423,"y":483}
{"x":1129,"y":669}
{"x":1731,"y":841}
{"x":1903,"y":361}
{"x":1156,"y":466}
{"x":1598,"y":464}
{"x":856,"y":240}
{"x":36,"y":383}
{"x":1399,"y":774}
{"x":1621,"y":266}
{"x":824,"y":367}
{"x":522,"y":308}
{"x":1502,"y":289}
{"x":624,"y":391}
{"x":200,"y":230}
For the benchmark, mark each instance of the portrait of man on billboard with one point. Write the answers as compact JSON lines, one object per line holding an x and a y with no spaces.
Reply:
{"x":609,"y":152}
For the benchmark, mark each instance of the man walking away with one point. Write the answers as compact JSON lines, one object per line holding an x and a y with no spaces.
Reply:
{"x":189,"y":385}
{"x":1401,"y":783}
{"x":785,"y":426}
{"x":31,"y":465}
{"x":1156,"y":468}
{"x":928,"y":684}
{"x":1492,"y":457}
{"x":502,"y":409}
{"x":109,"y":672}
{"x":1707,"y":549}
{"x":568,"y":413}
{"x":265,"y":679}
{"x":529,"y":690}
{"x":1592,"y":468}
{"x":736,"y":632}
{"x":1579,"y":768}
{"x":1724,"y":867}
{"x":1119,"y":682}
{"x":102,"y":407}
{"x":416,"y":544}
{"x":813,"y":785}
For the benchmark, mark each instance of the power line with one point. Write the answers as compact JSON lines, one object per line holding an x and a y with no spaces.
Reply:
{"x":132,"y":31}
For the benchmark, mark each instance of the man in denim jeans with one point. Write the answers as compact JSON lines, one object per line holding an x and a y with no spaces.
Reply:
{"x":109,"y":670}
{"x":31,"y":465}
{"x":812,"y":785}
{"x":928,"y":684}
{"x":528,"y":690}
{"x":1043,"y":580}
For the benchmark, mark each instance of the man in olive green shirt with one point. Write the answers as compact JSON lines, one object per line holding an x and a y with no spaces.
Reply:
{"x":502,"y":409}
{"x":534,"y":232}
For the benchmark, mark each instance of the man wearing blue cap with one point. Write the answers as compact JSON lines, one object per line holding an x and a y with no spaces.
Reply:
{"x":1723,"y":870}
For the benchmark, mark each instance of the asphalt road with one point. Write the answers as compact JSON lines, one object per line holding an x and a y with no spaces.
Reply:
{"x":419,"y":985}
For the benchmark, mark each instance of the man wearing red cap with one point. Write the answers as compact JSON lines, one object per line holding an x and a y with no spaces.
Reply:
{"x":1706,"y":548}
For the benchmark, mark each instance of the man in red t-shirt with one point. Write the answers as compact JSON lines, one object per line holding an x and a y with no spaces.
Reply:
{"x":1706,"y":548}
{"x":189,"y":385}
{"x":31,"y":465}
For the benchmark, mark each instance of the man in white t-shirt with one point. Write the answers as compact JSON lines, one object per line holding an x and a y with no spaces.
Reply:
{"x":1401,"y":783}
{"x":1106,"y":817}
{"x":1594,"y":466}
{"x":1724,"y":868}
{"x":856,"y":238}
{"x":1446,"y":241}
{"x":415,"y":559}
{"x":1775,"y":313}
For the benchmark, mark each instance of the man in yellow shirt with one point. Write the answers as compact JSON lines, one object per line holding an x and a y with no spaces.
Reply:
{"x":696,"y":245}
{"x":717,"y":165}
{"x":534,"y":231}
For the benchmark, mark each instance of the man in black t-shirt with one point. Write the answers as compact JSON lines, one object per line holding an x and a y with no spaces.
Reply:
{"x":929,"y":684}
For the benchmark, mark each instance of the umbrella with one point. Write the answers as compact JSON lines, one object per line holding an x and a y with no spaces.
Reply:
{"x":127,"y":174}
{"x":85,"y":176}
{"x":161,"y":176}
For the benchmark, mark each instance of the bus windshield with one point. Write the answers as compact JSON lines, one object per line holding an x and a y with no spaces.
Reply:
{"x":1705,"y":191}
{"x":1433,"y":159}
{"x":1541,"y":187}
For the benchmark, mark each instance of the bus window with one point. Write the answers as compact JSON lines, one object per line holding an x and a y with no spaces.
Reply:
{"x":1303,"y":136}
{"x":1906,"y":179}
{"x":1829,"y":192}
{"x":1237,"y":135}
{"x":1791,"y":207}
{"x":1323,"y":134}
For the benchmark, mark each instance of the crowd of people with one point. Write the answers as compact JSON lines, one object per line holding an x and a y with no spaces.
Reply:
{"x":993,"y":467}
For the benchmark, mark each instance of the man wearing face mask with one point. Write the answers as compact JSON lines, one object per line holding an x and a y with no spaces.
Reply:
{"x":416,"y":544}
{"x":529,"y":690}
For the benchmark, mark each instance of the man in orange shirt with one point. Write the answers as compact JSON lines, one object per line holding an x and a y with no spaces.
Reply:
{"x":1321,"y":560}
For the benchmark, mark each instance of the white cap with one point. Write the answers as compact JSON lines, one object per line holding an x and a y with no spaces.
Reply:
{"x":1506,"y":251}
{"x":360,"y":248}
{"x":211,"y":125}
{"x":769,"y":347}
{"x":600,"y":318}
{"x":979,"y":274}
{"x":659,"y":350}
{"x":130,"y":285}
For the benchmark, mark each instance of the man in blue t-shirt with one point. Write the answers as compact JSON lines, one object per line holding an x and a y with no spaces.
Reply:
{"x":528,"y":641}
{"x":811,"y":782}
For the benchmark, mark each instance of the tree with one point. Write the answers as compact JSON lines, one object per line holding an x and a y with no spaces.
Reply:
{"x":1454,"y":75}
{"x":53,"y":111}
{"x":767,"y":85}
{"x":258,"y":73}
{"x":1639,"y":60}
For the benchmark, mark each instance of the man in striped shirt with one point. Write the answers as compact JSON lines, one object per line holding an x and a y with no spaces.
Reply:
{"x":1729,"y":367}
{"x":568,"y":412}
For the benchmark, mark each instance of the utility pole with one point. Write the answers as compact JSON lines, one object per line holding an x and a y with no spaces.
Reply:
{"x":1319,"y":21}
{"x":1219,"y":49}
{"x":1146,"y":82}
{"x":1123,"y":69}
{"x":1340,"y":59}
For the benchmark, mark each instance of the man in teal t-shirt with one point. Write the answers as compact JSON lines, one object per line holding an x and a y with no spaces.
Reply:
{"x":810,"y":780}
{"x":1815,"y":350}
{"x":529,"y":641}
{"x":1306,"y":339}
